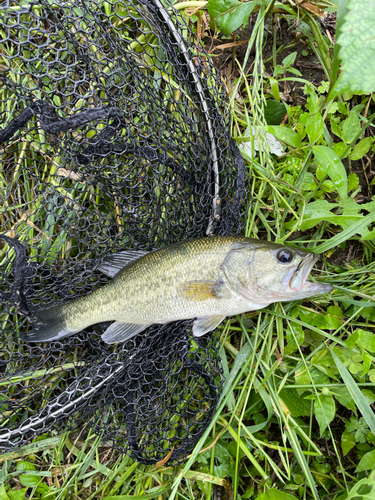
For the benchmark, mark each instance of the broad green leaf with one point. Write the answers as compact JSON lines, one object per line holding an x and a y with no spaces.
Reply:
{"x":333,"y":108}
{"x":325,"y":365}
{"x":3,"y":493}
{"x":352,"y":339}
{"x":309,"y":183}
{"x":274,"y":112}
{"x":303,"y":118}
{"x":276,"y":94}
{"x":353,"y":181}
{"x":335,"y":129}
{"x":357,"y":48}
{"x":351,"y":128}
{"x":286,"y":135}
{"x":323,"y":468}
{"x":225,"y":461}
{"x":365,"y":340}
{"x":278,"y":70}
{"x":356,"y":394}
{"x":302,"y":378}
{"x":313,"y":102}
{"x":370,"y":313}
{"x":315,"y":127}
{"x":297,"y":405}
{"x":17,"y":494}
{"x":28,"y":480}
{"x":343,"y":397}
{"x":368,"y":235}
{"x":334,"y":168}
{"x":294,"y":71}
{"x":359,"y":428}
{"x":361,"y":149}
{"x":320,"y":210}
{"x":341,"y":149}
{"x":348,"y":441}
{"x":289,"y":59}
{"x":367,"y":462}
{"x":368,"y":395}
{"x":328,"y":187}
{"x":324,"y":410}
{"x":228,"y":15}
{"x":367,"y":361}
{"x":316,"y":212}
{"x":361,"y":227}
{"x":355,"y":368}
{"x":344,"y":355}
{"x":364,"y":489}
{"x":335,"y":311}
{"x":318,"y":376}
{"x":223,"y":470}
{"x":274,"y":494}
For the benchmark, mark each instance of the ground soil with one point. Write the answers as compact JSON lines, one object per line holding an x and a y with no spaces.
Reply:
{"x":287,"y":36}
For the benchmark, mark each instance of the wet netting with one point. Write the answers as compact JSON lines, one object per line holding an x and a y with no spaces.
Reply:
{"x":114,"y":134}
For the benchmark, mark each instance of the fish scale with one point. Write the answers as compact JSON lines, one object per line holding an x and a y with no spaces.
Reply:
{"x":155,"y":278}
{"x":206,"y":278}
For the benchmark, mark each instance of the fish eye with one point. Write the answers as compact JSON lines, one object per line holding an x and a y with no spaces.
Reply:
{"x":284,"y":256}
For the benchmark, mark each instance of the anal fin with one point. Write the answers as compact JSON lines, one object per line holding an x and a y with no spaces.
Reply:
{"x":121,"y":332}
{"x":206,"y":324}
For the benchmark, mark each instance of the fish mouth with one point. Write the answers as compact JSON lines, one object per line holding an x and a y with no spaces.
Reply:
{"x":299,"y":283}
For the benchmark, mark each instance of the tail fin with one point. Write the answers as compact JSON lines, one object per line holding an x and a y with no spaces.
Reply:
{"x":49,"y":324}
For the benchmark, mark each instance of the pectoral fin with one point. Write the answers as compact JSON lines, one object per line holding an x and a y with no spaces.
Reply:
{"x":200,"y":290}
{"x":206,"y":324}
{"x":121,"y":332}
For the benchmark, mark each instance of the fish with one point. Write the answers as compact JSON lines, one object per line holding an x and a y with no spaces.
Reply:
{"x":207,"y":278}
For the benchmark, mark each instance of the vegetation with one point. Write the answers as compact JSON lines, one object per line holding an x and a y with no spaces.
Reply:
{"x":296,"y":418}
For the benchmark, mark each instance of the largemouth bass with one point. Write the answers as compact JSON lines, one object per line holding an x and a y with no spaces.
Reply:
{"x":207,"y":278}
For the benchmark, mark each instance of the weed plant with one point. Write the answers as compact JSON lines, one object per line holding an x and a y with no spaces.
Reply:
{"x":296,"y":418}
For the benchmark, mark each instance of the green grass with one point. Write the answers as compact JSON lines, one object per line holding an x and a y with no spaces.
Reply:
{"x":295,"y":410}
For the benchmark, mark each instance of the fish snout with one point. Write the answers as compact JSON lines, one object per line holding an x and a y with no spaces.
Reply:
{"x":299,"y":279}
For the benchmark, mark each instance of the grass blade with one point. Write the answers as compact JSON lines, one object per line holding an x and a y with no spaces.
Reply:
{"x":355,"y":393}
{"x":346,"y":234}
{"x":153,"y":494}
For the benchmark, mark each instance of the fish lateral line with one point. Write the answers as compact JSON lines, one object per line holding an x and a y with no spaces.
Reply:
{"x":206,"y":278}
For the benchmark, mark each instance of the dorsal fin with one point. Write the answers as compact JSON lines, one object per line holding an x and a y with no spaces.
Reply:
{"x":112,"y":264}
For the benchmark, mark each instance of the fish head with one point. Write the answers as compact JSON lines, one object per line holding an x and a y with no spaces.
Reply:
{"x":272,"y":273}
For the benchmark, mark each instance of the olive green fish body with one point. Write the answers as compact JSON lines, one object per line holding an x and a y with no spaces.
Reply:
{"x":207,"y":278}
{"x":156,"y":286}
{"x":151,"y":290}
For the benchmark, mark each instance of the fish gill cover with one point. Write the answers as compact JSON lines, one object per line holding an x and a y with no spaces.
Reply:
{"x":114,"y":135}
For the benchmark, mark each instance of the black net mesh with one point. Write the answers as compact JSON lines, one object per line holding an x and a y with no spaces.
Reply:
{"x":114,"y":135}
